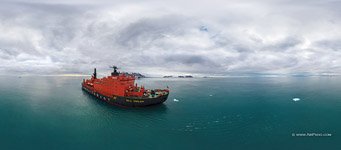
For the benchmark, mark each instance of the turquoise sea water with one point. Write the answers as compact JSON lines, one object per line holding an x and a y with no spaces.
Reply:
{"x":211,"y":113}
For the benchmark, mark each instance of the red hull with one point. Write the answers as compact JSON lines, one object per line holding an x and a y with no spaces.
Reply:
{"x":119,"y":89}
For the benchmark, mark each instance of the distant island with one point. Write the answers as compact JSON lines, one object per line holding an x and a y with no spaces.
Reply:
{"x":187,"y":76}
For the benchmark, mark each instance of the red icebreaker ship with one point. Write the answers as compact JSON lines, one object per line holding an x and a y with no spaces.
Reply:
{"x":120,"y":89}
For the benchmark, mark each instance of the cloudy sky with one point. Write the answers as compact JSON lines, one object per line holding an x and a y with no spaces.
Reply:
{"x":171,"y":37}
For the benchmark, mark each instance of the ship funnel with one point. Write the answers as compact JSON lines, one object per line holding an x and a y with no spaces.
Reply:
{"x":95,"y":74}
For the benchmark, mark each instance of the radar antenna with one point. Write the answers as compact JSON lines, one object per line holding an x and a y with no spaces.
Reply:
{"x":115,"y":73}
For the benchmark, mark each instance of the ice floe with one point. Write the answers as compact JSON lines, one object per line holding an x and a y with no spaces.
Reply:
{"x":296,"y":99}
{"x":175,"y":100}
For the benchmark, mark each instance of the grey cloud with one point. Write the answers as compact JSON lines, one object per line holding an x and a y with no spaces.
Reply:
{"x":288,"y":43}
{"x":146,"y":30}
{"x":217,"y":37}
{"x":285,"y":44}
{"x":329,"y":44}
{"x":190,"y":60}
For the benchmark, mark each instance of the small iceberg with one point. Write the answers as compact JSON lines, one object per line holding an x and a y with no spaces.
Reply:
{"x":296,"y":99}
{"x":175,"y":100}
{"x":210,"y":95}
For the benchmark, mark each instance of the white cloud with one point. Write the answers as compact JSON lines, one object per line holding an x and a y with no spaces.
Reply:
{"x":219,"y":37}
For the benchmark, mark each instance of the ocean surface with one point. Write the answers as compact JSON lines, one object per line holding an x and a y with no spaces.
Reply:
{"x":208,"y":113}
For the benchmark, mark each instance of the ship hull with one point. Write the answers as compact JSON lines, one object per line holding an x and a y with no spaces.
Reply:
{"x":127,"y":101}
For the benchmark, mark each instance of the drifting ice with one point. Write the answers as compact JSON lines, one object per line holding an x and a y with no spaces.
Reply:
{"x":296,"y":99}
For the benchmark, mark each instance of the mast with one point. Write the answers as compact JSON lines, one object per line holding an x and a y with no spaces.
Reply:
{"x":115,"y":73}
